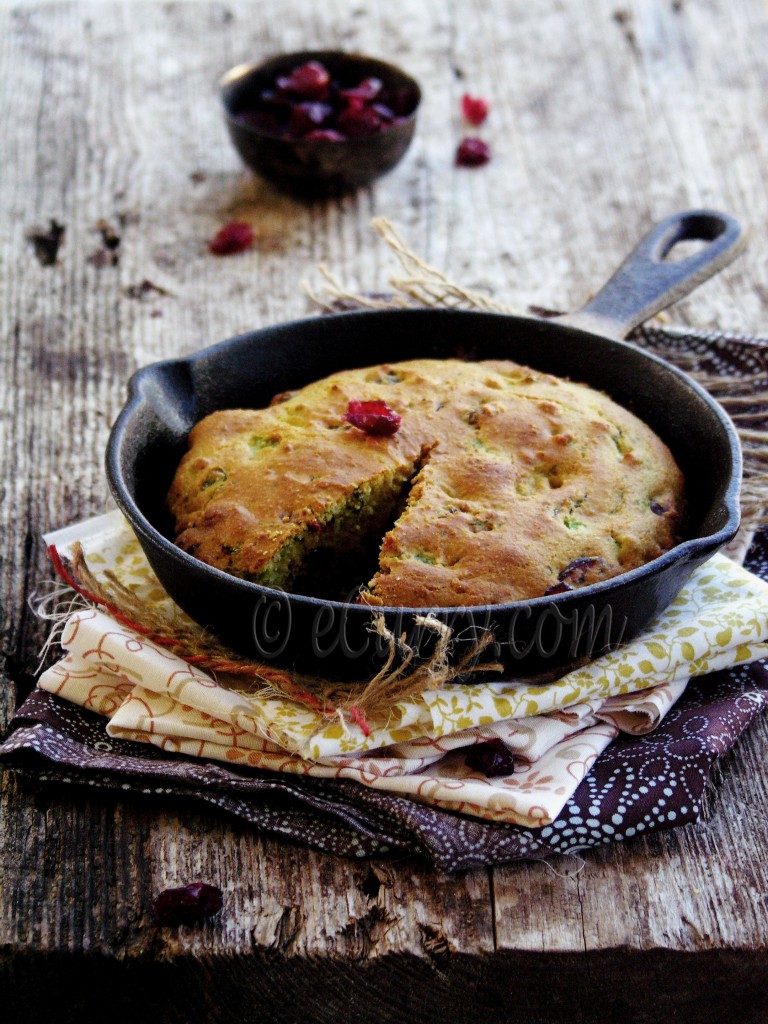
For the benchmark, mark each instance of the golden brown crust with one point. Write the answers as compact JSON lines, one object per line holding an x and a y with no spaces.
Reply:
{"x":516,"y":475}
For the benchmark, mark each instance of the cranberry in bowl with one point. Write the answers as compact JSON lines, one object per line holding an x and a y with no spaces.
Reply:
{"x":320,"y":122}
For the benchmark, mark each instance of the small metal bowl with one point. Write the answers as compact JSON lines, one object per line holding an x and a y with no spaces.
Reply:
{"x":318,"y":167}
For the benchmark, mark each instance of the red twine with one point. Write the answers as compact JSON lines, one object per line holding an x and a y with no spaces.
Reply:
{"x":359,"y":717}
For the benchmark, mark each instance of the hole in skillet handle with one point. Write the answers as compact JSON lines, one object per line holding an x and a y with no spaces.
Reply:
{"x":693,"y":236}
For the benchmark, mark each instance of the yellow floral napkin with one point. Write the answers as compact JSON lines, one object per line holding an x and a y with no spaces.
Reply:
{"x":554,"y":731}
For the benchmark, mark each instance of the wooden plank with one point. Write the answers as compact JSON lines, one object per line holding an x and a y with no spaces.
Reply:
{"x":600,"y":124}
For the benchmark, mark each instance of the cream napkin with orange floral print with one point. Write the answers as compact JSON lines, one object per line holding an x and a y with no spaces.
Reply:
{"x":423,"y":748}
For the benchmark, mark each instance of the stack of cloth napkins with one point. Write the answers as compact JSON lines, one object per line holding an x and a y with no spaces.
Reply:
{"x":537,"y":742}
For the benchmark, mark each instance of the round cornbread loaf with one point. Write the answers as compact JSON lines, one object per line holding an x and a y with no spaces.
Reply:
{"x":501,"y":484}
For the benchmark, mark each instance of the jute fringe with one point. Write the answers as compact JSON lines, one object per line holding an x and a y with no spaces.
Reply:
{"x":400,"y":678}
{"x":422,"y":285}
{"x":743,"y":396}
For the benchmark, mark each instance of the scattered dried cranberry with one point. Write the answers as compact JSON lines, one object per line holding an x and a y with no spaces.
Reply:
{"x":187,"y":904}
{"x":310,"y":81}
{"x":492,"y":759}
{"x":474,"y":109}
{"x":472,"y":153}
{"x":233,"y":237}
{"x":373,"y":417}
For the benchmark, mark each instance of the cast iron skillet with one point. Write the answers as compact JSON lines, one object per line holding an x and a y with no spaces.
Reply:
{"x":332,"y":638}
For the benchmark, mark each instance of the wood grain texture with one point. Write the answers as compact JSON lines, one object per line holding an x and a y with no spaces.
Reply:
{"x":605,"y":118}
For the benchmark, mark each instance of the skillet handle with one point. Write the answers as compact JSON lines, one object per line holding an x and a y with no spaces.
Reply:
{"x":647,"y":282}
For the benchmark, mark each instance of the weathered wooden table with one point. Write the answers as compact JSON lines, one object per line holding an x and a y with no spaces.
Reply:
{"x":604,"y":119}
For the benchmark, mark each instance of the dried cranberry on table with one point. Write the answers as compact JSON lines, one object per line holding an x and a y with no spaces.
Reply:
{"x":187,"y":903}
{"x":474,"y":109}
{"x":373,"y":417}
{"x":472,"y":153}
{"x":232,"y":238}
